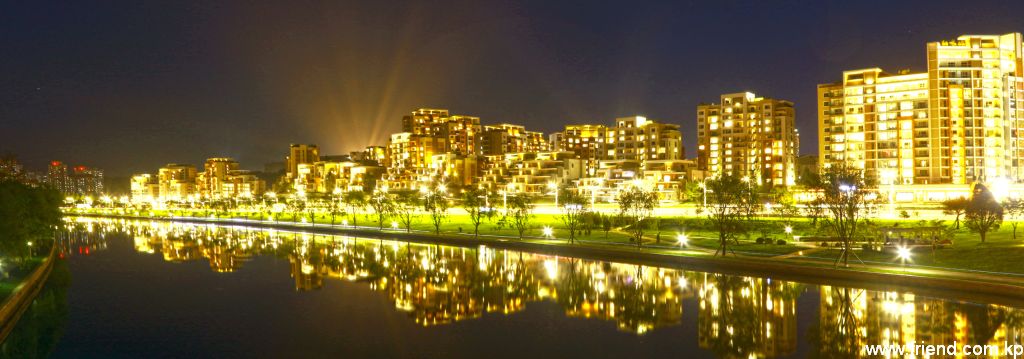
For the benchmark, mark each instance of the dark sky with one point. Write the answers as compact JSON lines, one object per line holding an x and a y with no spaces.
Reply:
{"x":130,"y":86}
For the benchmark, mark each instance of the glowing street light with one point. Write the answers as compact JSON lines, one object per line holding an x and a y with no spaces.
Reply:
{"x":548,"y":232}
{"x":683,"y":239}
{"x":904,"y":254}
{"x":554,"y":187}
{"x":789,"y":230}
{"x":394,"y":225}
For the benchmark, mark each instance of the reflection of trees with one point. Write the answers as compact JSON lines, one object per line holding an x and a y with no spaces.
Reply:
{"x":851,"y":318}
{"x":41,"y":326}
{"x":737,"y":317}
{"x":838,"y":333}
{"x":743,"y":317}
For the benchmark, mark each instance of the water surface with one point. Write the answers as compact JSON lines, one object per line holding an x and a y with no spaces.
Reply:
{"x":157,"y":289}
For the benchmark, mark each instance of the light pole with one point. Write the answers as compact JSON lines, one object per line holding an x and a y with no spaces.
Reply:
{"x":554,"y":187}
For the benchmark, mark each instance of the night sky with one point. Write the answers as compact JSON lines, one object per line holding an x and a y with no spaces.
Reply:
{"x":131,"y":86}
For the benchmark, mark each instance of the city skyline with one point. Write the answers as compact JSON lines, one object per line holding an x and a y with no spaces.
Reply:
{"x":245,"y":96}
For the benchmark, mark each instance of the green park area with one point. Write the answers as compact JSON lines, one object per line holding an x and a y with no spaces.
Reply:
{"x":28,"y":219}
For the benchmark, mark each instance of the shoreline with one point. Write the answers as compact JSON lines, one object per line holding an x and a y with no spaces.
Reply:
{"x":943,"y":284}
{"x":24,"y":295}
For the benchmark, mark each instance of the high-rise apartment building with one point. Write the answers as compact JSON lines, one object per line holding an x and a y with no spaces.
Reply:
{"x":505,"y":138}
{"x":586,"y":141}
{"x":960,"y":121}
{"x":631,"y":138}
{"x":299,"y":154}
{"x":87,"y":180}
{"x":748,"y":136}
{"x":637,"y":138}
{"x":428,"y":133}
{"x":145,"y":188}
{"x":58,"y":178}
{"x":210,"y":182}
{"x":177,"y":182}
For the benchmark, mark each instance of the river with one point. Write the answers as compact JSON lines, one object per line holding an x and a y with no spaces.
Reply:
{"x":160,"y":289}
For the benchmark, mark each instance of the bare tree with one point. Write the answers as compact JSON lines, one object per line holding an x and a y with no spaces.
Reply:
{"x":383,"y":206}
{"x":435,"y":202}
{"x":574,"y":211}
{"x":356,"y":201}
{"x":637,"y":204}
{"x":406,"y":205}
{"x":724,"y":209}
{"x":474,"y":202}
{"x":520,"y":209}
{"x":1014,"y":210}
{"x":842,"y":190}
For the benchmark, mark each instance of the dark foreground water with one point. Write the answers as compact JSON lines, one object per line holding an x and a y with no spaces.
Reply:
{"x":153,"y":289}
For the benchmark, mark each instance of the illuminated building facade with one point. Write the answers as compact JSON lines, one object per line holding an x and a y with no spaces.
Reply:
{"x":210,"y":182}
{"x":586,"y":141}
{"x":300,"y":154}
{"x":957,"y":123}
{"x":637,"y":138}
{"x":177,"y":182}
{"x":530,"y":172}
{"x":505,"y":138}
{"x":145,"y":188}
{"x":748,"y":136}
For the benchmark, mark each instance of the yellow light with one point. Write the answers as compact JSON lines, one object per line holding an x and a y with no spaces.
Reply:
{"x":683,"y":239}
{"x":548,"y":232}
{"x":789,"y":230}
{"x":903,"y":253}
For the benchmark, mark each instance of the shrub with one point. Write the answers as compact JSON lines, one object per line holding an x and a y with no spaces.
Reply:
{"x":781,"y":242}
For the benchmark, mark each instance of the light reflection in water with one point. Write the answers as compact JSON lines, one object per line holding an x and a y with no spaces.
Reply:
{"x":736,"y":316}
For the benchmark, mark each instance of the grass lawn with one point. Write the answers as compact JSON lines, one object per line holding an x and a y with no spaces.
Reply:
{"x":15,"y":274}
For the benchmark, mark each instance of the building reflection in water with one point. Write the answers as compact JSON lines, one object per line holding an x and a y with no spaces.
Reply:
{"x":737,"y":317}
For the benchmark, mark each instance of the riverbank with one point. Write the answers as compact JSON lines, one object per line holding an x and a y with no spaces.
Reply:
{"x":21,"y":297}
{"x":960,"y":285}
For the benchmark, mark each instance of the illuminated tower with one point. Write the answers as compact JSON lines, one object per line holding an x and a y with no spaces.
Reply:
{"x":958,"y":122}
{"x":745,"y":135}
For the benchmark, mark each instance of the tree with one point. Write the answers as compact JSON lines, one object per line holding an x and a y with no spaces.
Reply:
{"x":955,"y":206}
{"x":574,"y":209}
{"x":815,"y":210}
{"x":406,"y":204}
{"x":1014,"y":210}
{"x":383,"y":206}
{"x":724,"y":209}
{"x":474,"y":202}
{"x":637,"y":205}
{"x":983,"y":212}
{"x":842,"y":190}
{"x":749,"y":199}
{"x":336,"y":210}
{"x":436,"y":204}
{"x":607,"y":222}
{"x":520,"y":210}
{"x":27,"y":215}
{"x":355,"y":200}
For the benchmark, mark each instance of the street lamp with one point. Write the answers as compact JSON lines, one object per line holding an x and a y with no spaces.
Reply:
{"x":683,"y":239}
{"x":548,"y":232}
{"x":554,"y":187}
{"x":904,"y":254}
